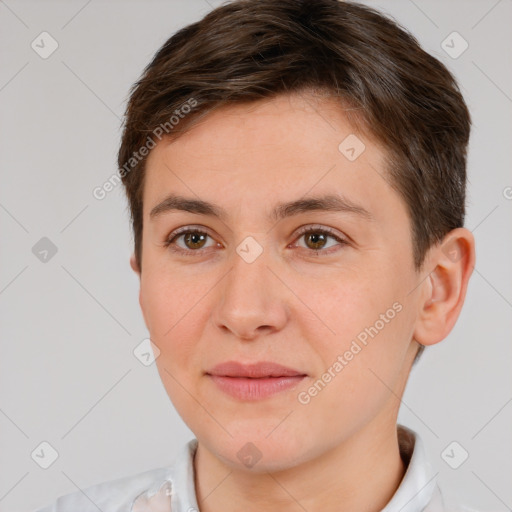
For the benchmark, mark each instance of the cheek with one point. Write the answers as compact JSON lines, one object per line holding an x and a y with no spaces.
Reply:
{"x":357,"y":379}
{"x":175,"y":319}
{"x":362,"y":354}
{"x":351,"y":306}
{"x":169,"y":302}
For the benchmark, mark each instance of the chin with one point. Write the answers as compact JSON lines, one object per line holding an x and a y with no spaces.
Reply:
{"x":256,"y":451}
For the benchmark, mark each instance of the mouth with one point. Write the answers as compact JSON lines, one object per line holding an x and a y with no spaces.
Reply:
{"x":254,"y":381}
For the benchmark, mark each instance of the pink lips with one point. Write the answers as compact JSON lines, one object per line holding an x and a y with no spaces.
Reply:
{"x":254,"y":381}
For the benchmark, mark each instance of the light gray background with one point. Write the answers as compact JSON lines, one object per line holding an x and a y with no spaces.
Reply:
{"x":69,"y":326}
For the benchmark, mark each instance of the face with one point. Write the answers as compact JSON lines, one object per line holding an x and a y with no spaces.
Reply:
{"x":322,"y":291}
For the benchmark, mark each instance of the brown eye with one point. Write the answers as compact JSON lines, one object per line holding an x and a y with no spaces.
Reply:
{"x":194,"y":240}
{"x":316,"y":240}
{"x":191,"y":241}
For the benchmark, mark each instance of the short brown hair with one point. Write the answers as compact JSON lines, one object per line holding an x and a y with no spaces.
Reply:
{"x":247,"y":50}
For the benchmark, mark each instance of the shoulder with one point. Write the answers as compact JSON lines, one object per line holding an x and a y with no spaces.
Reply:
{"x":154,"y":490}
{"x":112,"y":496}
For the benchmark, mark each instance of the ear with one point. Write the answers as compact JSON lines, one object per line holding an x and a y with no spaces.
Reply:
{"x":133,"y":264}
{"x":137,"y":270}
{"x":444,"y":290}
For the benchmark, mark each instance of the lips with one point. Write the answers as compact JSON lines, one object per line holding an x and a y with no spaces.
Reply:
{"x":255,"y":371}
{"x":249,"y":382}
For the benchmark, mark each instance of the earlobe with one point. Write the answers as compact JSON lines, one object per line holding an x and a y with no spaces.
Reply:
{"x":136,"y":269}
{"x":444,"y":290}
{"x":133,"y":264}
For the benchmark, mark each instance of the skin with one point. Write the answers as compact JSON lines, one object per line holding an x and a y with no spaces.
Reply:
{"x":291,"y":305}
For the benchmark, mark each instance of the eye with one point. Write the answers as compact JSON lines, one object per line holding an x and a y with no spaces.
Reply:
{"x":316,"y":239}
{"x":193,"y":238}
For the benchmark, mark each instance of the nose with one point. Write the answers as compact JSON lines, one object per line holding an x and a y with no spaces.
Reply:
{"x":250,"y":300}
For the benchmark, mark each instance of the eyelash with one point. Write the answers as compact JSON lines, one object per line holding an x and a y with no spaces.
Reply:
{"x":169,"y":243}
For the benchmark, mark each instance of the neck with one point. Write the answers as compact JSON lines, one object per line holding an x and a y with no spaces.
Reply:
{"x":361,"y":473}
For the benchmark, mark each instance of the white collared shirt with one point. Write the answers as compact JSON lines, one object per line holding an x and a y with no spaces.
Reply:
{"x":172,"y":489}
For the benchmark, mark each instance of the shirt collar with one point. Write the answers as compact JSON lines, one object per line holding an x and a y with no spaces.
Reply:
{"x":416,"y":491}
{"x":417,"y":488}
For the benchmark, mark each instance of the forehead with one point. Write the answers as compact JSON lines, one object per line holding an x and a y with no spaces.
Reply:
{"x":280,"y":121}
{"x":288,"y":146}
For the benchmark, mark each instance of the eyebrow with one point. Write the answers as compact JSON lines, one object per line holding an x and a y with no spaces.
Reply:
{"x":328,"y":203}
